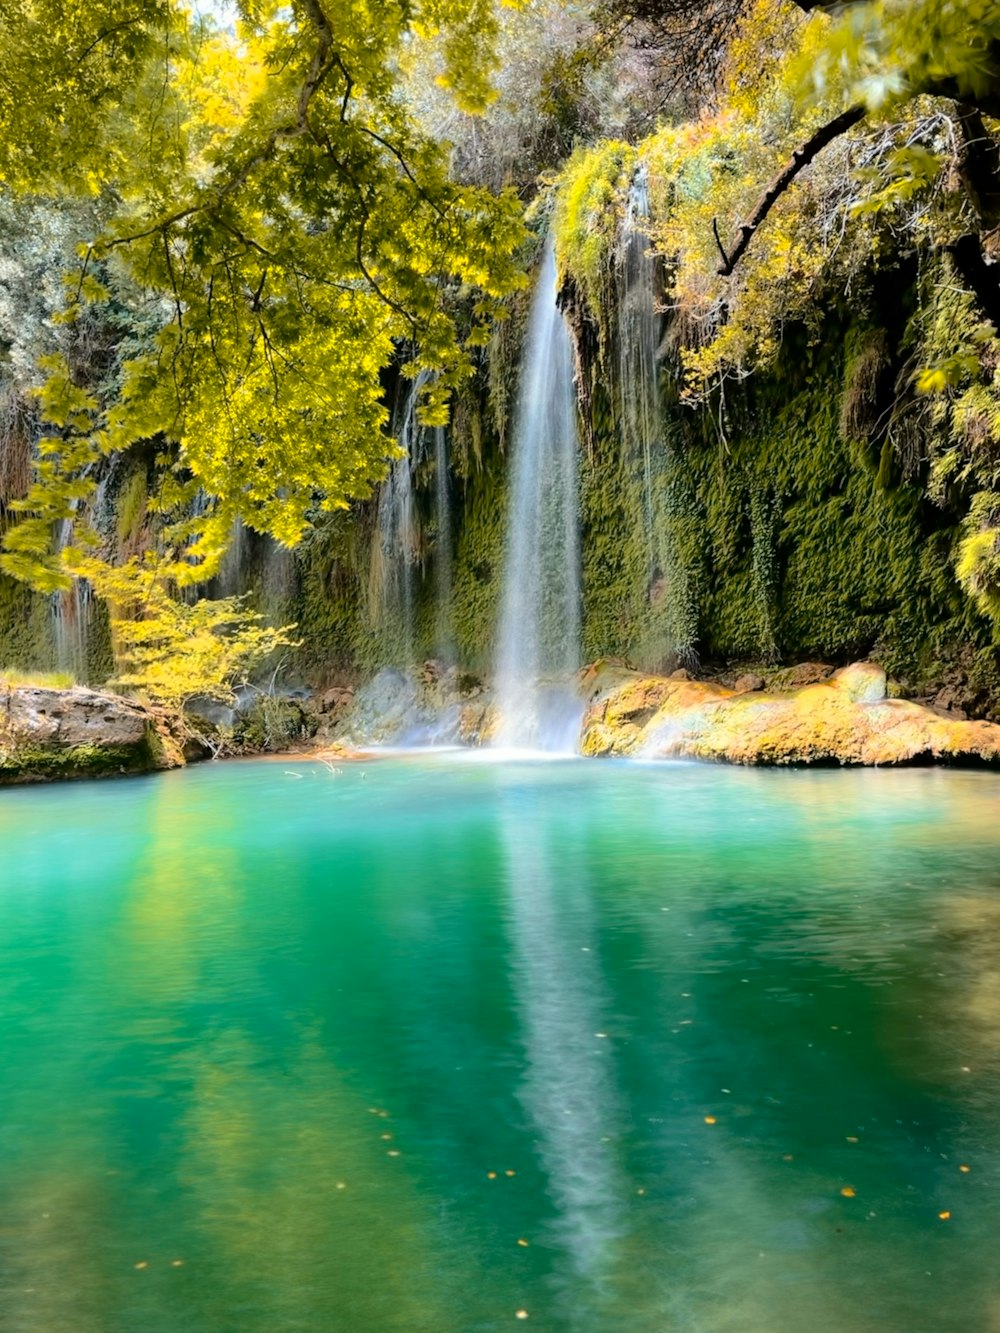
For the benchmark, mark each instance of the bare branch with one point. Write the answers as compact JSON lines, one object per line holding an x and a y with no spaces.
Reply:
{"x":800,"y":159}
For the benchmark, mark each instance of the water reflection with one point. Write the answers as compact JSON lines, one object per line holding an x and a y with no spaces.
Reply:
{"x":568,"y":1085}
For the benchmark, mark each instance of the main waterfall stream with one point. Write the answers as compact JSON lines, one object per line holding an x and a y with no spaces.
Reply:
{"x":539,"y":636}
{"x":444,"y":1045}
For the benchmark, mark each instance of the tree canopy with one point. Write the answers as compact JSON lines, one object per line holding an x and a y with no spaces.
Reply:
{"x":267,"y":202}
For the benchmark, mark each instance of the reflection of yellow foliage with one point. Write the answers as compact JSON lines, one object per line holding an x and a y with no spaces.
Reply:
{"x":155,"y":953}
{"x":268,"y":1174}
{"x":973,"y":923}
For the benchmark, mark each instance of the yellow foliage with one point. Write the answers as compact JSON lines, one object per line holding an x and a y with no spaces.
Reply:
{"x":589,"y":207}
{"x":170,"y":650}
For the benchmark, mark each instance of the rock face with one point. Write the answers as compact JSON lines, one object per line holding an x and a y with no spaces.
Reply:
{"x":48,"y":733}
{"x":431,"y":705}
{"x":845,"y":719}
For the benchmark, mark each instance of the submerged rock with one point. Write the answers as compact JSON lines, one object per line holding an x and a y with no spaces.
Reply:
{"x":846,"y":719}
{"x":49,"y":733}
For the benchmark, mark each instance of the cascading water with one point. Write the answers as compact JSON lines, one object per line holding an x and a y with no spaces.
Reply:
{"x":397,"y":547}
{"x":539,"y":636}
{"x":234,"y":572}
{"x":70,"y":612}
{"x":399,"y":542}
{"x":256,"y":563}
{"x":638,"y":346}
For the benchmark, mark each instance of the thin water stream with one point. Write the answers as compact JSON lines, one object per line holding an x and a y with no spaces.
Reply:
{"x":430,"y":1045}
{"x":396,"y":549}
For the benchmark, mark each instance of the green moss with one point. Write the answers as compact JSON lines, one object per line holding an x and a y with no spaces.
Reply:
{"x":44,"y":764}
{"x":479,"y":555}
{"x":131,"y":507}
{"x":25,"y":628}
{"x":272,"y":723}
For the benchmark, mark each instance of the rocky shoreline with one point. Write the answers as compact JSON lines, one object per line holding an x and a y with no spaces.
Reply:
{"x":48,"y":734}
{"x":846,"y":718}
{"x":811,"y":714}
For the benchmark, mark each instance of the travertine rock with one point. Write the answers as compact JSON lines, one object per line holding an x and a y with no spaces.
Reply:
{"x":845,"y":719}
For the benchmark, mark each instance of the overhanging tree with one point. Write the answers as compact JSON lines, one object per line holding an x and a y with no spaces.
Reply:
{"x":268,"y":196}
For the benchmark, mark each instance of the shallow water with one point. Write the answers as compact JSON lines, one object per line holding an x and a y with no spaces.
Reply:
{"x":292,"y":1049}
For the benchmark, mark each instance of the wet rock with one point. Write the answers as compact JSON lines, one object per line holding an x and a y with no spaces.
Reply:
{"x":477,"y":723}
{"x":48,"y":733}
{"x":864,"y":682}
{"x":335,"y":703}
{"x":432,"y":705}
{"x":950,"y":702}
{"x":845,"y":719}
{"x":805,"y":673}
{"x":383,"y":708}
{"x":620,"y":704}
{"x":748,"y":683}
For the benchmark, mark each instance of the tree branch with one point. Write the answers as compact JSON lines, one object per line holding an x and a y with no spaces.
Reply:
{"x":799,"y":161}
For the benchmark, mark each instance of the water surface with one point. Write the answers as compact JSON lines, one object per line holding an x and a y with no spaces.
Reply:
{"x":432,"y":1045}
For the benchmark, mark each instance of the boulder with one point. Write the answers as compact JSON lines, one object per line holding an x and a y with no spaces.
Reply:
{"x":50,"y":733}
{"x":864,"y":682}
{"x":748,"y":683}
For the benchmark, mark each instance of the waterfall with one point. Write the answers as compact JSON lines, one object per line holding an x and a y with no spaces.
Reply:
{"x":277,"y":581}
{"x":234,"y":572}
{"x":256,"y":563}
{"x":397,"y":545}
{"x":70,"y":613}
{"x":640,"y":410}
{"x":442,"y":550}
{"x":539,"y":637}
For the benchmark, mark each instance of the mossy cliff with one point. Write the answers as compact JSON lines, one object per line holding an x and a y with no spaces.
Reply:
{"x":781,"y":537}
{"x":775,"y":524}
{"x":780,"y":540}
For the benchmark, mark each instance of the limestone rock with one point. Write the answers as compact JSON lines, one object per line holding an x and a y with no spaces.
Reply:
{"x":748,"y":683}
{"x":864,"y":682}
{"x":47,"y":733}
